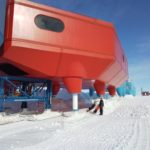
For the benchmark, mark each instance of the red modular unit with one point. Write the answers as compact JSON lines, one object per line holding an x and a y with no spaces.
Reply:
{"x":46,"y":42}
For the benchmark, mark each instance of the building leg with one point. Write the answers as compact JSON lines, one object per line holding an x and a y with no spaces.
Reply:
{"x":49,"y":95}
{"x":75,"y":102}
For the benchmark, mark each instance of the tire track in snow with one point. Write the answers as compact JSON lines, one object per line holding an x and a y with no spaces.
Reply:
{"x":143,"y":137}
{"x":130,"y":119}
{"x":127,"y":128}
{"x":132,"y":143}
{"x":127,"y":125}
{"x":140,"y":140}
{"x":125,"y":138}
{"x":138,"y":133}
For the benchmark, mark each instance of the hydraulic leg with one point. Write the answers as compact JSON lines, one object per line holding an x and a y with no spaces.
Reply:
{"x":75,"y":102}
{"x":49,"y":95}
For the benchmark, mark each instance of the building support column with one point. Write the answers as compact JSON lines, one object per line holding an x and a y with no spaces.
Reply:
{"x":74,"y":101}
{"x":2,"y":95}
{"x":74,"y":86}
{"x":49,"y":95}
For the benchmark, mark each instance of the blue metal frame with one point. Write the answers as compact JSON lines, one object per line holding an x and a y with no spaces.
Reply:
{"x":24,"y":95}
{"x":3,"y":4}
{"x":49,"y":95}
{"x":91,"y":91}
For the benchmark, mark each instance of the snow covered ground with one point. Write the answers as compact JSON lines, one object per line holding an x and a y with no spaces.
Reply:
{"x":125,"y":125}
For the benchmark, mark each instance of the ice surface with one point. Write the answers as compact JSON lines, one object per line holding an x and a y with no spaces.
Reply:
{"x":125,"y":125}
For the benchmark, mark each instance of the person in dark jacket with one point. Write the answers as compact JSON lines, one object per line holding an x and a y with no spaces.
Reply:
{"x":101,"y":105}
{"x":24,"y":105}
{"x":92,"y":106}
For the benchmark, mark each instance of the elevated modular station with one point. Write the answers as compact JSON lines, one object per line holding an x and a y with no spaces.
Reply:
{"x":42,"y":42}
{"x":127,"y":88}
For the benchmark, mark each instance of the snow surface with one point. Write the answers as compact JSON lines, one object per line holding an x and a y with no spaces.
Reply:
{"x":125,"y":125}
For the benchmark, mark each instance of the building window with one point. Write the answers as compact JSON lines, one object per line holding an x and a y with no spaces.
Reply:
{"x":49,"y":23}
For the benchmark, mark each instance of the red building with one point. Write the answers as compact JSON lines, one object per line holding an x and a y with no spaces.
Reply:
{"x":145,"y":93}
{"x":70,"y":49}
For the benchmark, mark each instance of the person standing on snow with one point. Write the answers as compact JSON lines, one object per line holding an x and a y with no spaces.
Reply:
{"x":101,"y":105}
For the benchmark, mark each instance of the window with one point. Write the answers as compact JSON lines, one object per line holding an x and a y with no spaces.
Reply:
{"x":49,"y":23}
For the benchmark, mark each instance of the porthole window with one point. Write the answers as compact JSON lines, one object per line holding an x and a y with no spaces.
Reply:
{"x":49,"y":23}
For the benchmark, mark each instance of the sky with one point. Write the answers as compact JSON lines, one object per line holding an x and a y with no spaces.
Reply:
{"x":132,"y":23}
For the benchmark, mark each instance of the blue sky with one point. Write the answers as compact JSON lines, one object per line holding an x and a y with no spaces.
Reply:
{"x":131,"y":19}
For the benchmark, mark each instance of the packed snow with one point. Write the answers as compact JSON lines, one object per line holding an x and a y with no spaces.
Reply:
{"x":124,"y":125}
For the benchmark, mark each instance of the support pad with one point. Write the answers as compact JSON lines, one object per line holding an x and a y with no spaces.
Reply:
{"x":73,"y":84}
{"x":99,"y":87}
{"x":111,"y":90}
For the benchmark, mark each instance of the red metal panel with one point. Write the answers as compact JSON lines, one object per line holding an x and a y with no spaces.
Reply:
{"x":86,"y":49}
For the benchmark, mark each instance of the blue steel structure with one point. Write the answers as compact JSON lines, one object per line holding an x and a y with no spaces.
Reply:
{"x":92,"y":94}
{"x":21,"y":89}
{"x":91,"y":91}
{"x":2,"y":20}
{"x":126,"y":88}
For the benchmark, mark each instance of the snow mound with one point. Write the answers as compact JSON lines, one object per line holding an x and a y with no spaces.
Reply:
{"x":4,"y":119}
{"x":26,"y":116}
{"x":110,"y":106}
{"x":48,"y":114}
